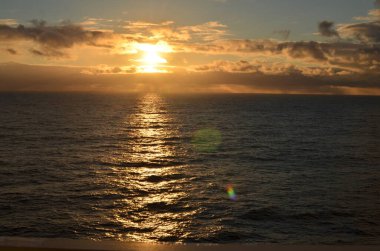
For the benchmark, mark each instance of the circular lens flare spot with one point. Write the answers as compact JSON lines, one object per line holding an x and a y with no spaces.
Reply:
{"x":206,"y":140}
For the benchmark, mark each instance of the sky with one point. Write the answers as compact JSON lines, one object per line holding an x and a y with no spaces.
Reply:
{"x":198,"y":46}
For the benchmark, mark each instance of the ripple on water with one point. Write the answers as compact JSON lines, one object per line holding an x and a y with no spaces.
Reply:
{"x":128,"y":167}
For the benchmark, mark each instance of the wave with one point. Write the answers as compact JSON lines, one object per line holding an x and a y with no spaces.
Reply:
{"x":277,"y":214}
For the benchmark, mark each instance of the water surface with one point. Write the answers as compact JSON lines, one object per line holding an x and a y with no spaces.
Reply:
{"x":305,"y":169}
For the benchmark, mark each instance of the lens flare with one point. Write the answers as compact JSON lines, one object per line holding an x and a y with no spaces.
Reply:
{"x":206,"y":140}
{"x":231,"y":192}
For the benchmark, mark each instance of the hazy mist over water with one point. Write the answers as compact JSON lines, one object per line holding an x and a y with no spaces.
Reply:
{"x":150,"y":167}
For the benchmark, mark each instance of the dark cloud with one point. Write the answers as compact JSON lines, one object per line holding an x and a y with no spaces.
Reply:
{"x":11,"y":51}
{"x":52,"y":38}
{"x":364,"y":32}
{"x":37,"y":52}
{"x":309,"y":49}
{"x":47,"y":53}
{"x":357,"y":50}
{"x":326,"y":28}
{"x":377,"y":3}
{"x":361,"y":57}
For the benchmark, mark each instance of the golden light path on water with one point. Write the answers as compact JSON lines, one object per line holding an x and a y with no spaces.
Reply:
{"x":151,"y":177}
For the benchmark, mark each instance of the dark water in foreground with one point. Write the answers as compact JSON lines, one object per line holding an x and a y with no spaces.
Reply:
{"x":305,"y":169}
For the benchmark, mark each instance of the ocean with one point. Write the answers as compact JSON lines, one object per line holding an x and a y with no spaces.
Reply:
{"x":223,"y":168}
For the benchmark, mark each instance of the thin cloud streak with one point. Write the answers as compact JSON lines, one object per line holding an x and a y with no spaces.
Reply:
{"x":11,"y":51}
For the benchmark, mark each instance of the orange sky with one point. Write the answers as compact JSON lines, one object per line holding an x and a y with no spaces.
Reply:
{"x":103,"y":54}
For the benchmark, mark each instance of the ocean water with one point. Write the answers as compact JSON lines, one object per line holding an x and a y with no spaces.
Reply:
{"x":150,"y":167}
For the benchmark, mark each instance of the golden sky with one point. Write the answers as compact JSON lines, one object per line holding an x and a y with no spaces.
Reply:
{"x":124,"y":54}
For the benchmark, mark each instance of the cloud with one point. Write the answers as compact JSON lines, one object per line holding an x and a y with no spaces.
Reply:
{"x":364,"y":32}
{"x":241,"y":66}
{"x":352,"y":61}
{"x":106,"y":69}
{"x":270,"y":68}
{"x":377,"y":3}
{"x":208,"y":38}
{"x":97,"y":23}
{"x":9,"y":22}
{"x":51,"y":39}
{"x":359,"y":57}
{"x":284,"y":34}
{"x":11,"y":51}
{"x":47,"y":52}
{"x":303,"y":50}
{"x":170,"y":32}
{"x":373,"y":15}
{"x":55,"y":78}
{"x":54,"y":40}
{"x":327,"y":29}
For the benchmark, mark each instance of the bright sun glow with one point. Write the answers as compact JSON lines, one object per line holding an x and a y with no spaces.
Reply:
{"x":152,"y":60}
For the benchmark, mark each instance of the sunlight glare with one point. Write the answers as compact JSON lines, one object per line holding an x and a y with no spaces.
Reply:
{"x":152,"y":60}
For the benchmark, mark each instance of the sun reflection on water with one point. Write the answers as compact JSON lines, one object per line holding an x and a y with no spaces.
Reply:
{"x":151,"y":177}
{"x":150,"y":126}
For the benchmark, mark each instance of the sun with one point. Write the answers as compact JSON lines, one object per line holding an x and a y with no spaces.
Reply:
{"x":152,"y":60}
